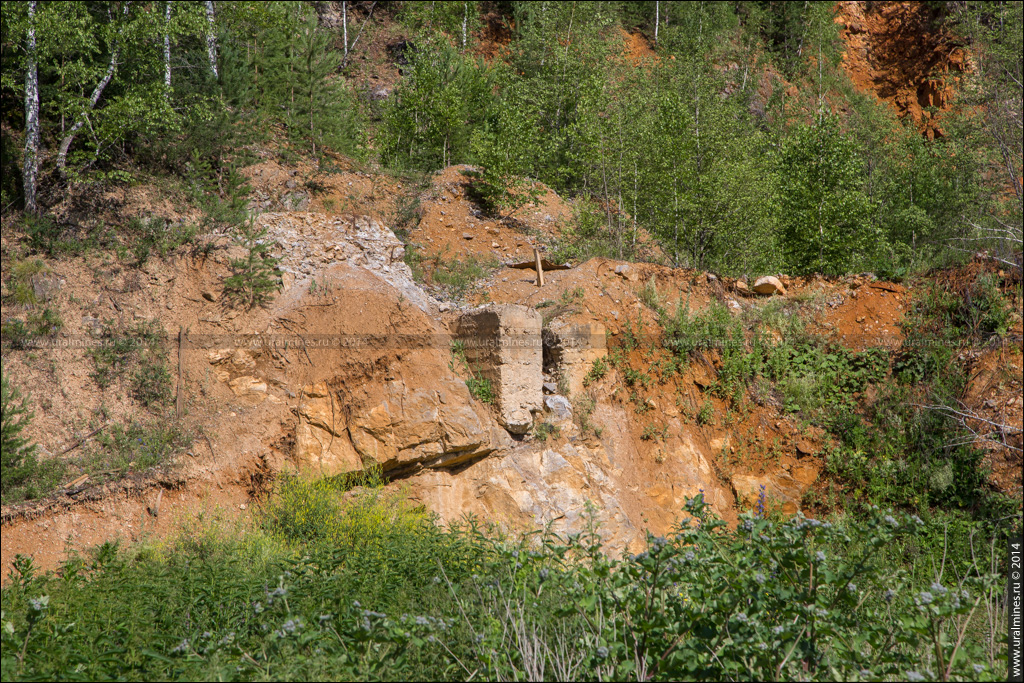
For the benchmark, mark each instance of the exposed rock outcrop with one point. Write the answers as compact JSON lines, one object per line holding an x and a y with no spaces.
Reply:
{"x":392,"y":426}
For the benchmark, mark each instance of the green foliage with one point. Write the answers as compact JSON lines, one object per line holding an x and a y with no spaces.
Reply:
{"x":220,"y":191}
{"x":825,"y":215}
{"x":902,"y":447}
{"x":360,"y":585}
{"x":582,"y":411}
{"x":134,"y":447}
{"x":151,"y":383}
{"x":453,"y":276}
{"x":255,"y":278}
{"x":291,"y":77}
{"x":479,"y":387}
{"x":596,"y":372}
{"x":429,"y":120}
{"x":138,"y":349}
{"x":995,"y":91}
{"x":818,"y":380}
{"x":311,"y":511}
{"x":706,"y":413}
{"x":908,"y":449}
{"x":23,"y":334}
{"x":100,"y":70}
{"x":504,"y":146}
{"x":587,"y":236}
{"x":157,"y":235}
{"x":20,"y":281}
{"x":46,"y":236}
{"x":18,"y":453}
{"x":542,"y":431}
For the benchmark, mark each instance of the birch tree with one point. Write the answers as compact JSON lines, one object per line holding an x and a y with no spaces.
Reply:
{"x":167,"y":46}
{"x":211,"y":38}
{"x":31,"y":163}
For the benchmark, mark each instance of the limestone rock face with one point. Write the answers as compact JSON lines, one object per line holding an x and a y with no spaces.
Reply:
{"x":627,"y":485}
{"x":783,"y":489}
{"x":307,"y":242}
{"x":559,"y":407}
{"x":769,"y":285}
{"x":530,"y":488}
{"x":393,"y":426}
{"x":503,"y":344}
{"x":571,"y":349}
{"x":248,"y":386}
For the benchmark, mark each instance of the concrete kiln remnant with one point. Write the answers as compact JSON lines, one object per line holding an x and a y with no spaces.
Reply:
{"x":503,"y":344}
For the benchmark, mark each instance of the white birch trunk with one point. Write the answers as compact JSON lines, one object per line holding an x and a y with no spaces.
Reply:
{"x":65,"y":144}
{"x":344,"y":26}
{"x":167,"y":47}
{"x":211,"y":38}
{"x":30,"y":168}
{"x":465,"y":19}
{"x":657,"y":20}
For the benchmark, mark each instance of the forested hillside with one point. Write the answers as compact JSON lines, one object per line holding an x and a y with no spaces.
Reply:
{"x":734,"y":135}
{"x":510,"y":340}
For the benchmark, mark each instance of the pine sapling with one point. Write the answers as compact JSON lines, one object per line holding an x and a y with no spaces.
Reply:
{"x":17,"y":453}
{"x":255,"y":277}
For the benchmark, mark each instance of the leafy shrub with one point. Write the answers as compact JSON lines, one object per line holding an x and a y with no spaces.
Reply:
{"x":587,"y":236}
{"x":151,"y":383}
{"x":824,"y":211}
{"x":138,"y":347}
{"x":706,"y":413}
{"x":46,"y":236}
{"x":157,"y":235}
{"x":358,"y":584}
{"x":20,"y":281}
{"x":650,"y":296}
{"x":135,"y":447}
{"x":21,"y":334}
{"x":457,"y":276}
{"x":481,"y":389}
{"x":504,"y":146}
{"x":429,"y":120}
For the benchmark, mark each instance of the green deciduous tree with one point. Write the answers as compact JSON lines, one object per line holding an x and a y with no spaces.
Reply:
{"x":430,"y":120}
{"x":996,"y":88}
{"x":824,"y":214}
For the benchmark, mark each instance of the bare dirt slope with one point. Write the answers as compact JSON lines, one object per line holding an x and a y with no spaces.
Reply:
{"x":351,"y":365}
{"x":899,"y":52}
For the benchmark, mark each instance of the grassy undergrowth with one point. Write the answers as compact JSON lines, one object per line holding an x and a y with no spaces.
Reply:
{"x":343,"y":583}
{"x":118,"y":450}
{"x":454,"y":277}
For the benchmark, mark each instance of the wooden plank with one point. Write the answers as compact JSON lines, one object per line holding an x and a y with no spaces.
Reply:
{"x":545,"y":264}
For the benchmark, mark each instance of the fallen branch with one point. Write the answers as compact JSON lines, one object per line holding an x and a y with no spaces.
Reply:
{"x":1002,"y":430}
{"x":84,"y":439}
